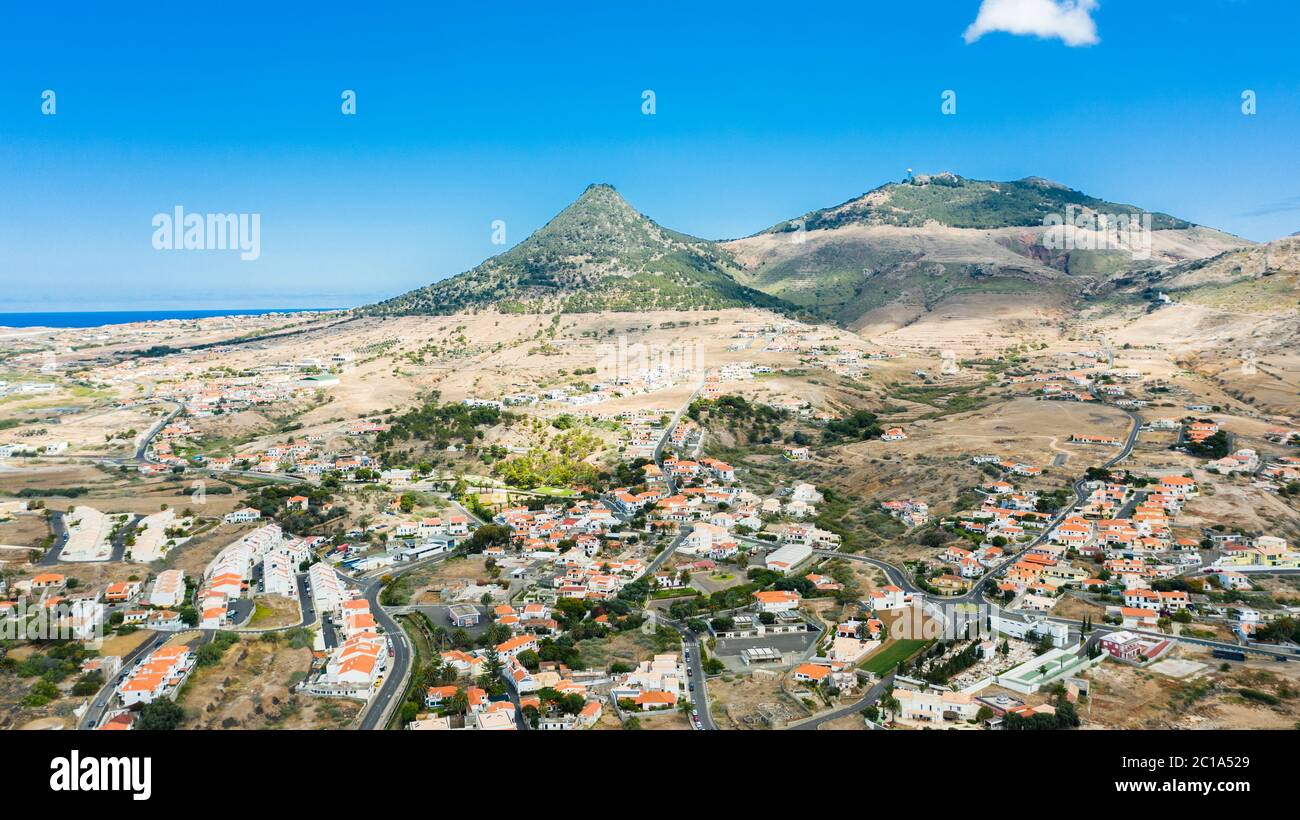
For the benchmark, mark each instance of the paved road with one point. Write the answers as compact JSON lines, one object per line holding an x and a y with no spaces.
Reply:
{"x":119,"y":543}
{"x":1255,"y":648}
{"x":872,"y":695}
{"x":60,"y":530}
{"x":305,"y":601}
{"x":663,"y":440}
{"x":278,"y":478}
{"x":142,"y":450}
{"x":896,"y":576}
{"x":57,"y":524}
{"x":700,"y":695}
{"x":521,"y":722}
{"x":663,"y":556}
{"x":99,"y":704}
{"x":378,"y":709}
{"x":141,"y":456}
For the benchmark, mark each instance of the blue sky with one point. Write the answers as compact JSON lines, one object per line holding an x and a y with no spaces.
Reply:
{"x":507,"y":111}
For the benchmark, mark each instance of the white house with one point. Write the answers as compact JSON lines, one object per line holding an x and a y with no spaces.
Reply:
{"x":777,"y":600}
{"x":888,"y":597}
{"x":243,"y":516}
{"x":168,"y":589}
{"x":788,"y":557}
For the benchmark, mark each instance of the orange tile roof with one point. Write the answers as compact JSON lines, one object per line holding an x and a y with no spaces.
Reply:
{"x":812,"y":670}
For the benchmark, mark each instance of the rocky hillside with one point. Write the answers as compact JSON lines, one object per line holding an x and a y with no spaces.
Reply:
{"x":957,"y":202}
{"x":933,"y":238}
{"x":892,"y":254}
{"x":597,"y":254}
{"x":1258,"y":279}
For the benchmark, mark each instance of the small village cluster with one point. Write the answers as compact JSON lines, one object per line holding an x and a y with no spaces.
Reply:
{"x":204,"y":392}
{"x":616,"y":379}
{"x":265,"y":552}
{"x":309,"y":456}
{"x":685,"y":532}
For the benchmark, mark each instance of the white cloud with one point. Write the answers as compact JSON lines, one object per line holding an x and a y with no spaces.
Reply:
{"x":1069,"y":20}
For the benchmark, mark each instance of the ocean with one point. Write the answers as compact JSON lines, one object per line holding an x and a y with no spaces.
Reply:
{"x":95,"y":318}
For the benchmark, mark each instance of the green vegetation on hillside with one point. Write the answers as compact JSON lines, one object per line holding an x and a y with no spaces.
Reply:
{"x":966,"y":203}
{"x":562,"y":462}
{"x":440,"y":424}
{"x":859,"y":426}
{"x":597,"y":254}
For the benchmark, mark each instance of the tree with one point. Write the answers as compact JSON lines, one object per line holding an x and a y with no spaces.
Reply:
{"x":208,"y":655}
{"x":88,"y":684}
{"x":161,"y":714}
{"x":457,"y":704}
{"x":42,"y":692}
{"x":488,"y":535}
{"x":933,"y":538}
{"x":889,"y":703}
{"x":490,"y":679}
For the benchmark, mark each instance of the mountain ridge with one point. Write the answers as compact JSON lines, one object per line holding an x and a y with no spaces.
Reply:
{"x":959,"y":202}
{"x":922,"y":239}
{"x":932,"y":238}
{"x":598,"y":253}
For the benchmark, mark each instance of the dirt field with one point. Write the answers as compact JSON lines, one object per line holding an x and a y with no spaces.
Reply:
{"x":46,"y":473}
{"x":1021,"y":428}
{"x":1069,"y":606}
{"x":1128,"y":698}
{"x":121,"y":645}
{"x":249,"y":689}
{"x":100,"y":431}
{"x":630,"y":647}
{"x":193,"y":556}
{"x":13,"y":715}
{"x":426,"y":583}
{"x":114,"y":491}
{"x":853,"y":722}
{"x":1235,"y":503}
{"x":753,"y":701}
{"x":88,"y":575}
{"x":669,"y":720}
{"x":273,"y":611}
{"x":23,"y":530}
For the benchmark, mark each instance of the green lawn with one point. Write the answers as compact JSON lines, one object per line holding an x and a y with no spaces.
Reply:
{"x":683,"y":592}
{"x":563,"y":492}
{"x":885,"y":659}
{"x":260,"y":613}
